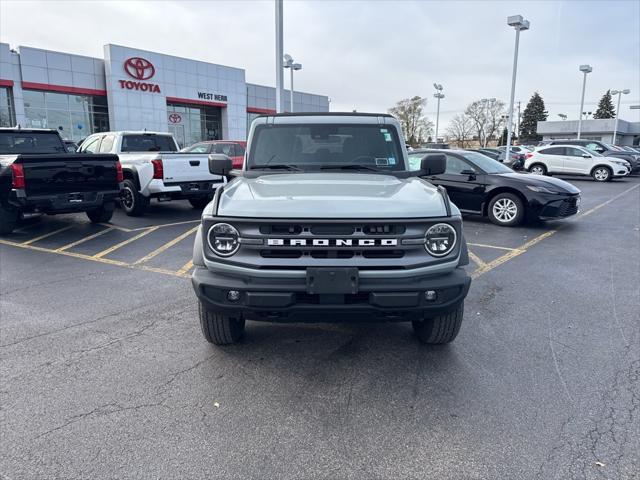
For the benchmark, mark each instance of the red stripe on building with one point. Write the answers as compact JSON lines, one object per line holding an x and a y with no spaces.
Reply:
{"x":267,"y":111}
{"x":63,"y":89}
{"x":6,"y":83}
{"x":196,"y":102}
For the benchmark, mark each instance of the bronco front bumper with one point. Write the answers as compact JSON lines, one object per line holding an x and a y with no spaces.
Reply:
{"x":291,"y":299}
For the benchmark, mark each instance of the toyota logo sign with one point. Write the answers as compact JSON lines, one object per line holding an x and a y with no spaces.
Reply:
{"x":175,"y":118}
{"x":139,"y":68}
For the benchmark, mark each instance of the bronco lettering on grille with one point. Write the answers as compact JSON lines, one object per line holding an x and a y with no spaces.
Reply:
{"x":332,"y":242}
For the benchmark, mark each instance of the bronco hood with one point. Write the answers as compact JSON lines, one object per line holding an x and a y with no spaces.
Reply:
{"x":331,"y":195}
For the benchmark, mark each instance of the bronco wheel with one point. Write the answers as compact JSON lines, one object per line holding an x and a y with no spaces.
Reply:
{"x":601,"y":174}
{"x":218,"y":328}
{"x":538,"y":169}
{"x":102,"y":214}
{"x":199,"y":202}
{"x":440,"y":329}
{"x":506,"y":209}
{"x":8,"y":220}
{"x":131,"y":201}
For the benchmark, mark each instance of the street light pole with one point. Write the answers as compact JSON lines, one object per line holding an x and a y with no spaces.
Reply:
{"x":438,"y":95}
{"x":520,"y":24}
{"x":619,"y":93}
{"x":584,"y":69}
{"x":289,"y":63}
{"x":279,"y":51}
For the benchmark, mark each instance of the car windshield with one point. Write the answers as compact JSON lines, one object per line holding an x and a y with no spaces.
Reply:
{"x":485,"y":163}
{"x":316,"y":147}
{"x":30,"y":142}
{"x":146,"y":142}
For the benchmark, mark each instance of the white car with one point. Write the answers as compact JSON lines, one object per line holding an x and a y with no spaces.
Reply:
{"x":153,"y":168}
{"x":574,"y":160}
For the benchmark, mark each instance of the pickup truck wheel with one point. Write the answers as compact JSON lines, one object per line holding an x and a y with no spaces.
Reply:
{"x":199,"y":202}
{"x":8,"y":220}
{"x":440,"y":329}
{"x":506,"y":210}
{"x":131,"y":201}
{"x":218,"y":328}
{"x":102,"y":214}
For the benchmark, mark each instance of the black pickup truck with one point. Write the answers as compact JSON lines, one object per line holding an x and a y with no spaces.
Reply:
{"x":38,"y":175}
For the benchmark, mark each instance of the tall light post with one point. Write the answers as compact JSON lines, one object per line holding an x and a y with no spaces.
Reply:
{"x":438,"y":95}
{"x":619,"y":93}
{"x":289,"y":63}
{"x":520,"y":25}
{"x":279,"y":51}
{"x":584,"y":69}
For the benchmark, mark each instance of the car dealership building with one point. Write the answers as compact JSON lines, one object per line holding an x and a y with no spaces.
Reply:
{"x":131,"y":89}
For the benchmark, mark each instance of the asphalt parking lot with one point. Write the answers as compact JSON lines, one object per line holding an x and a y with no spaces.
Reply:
{"x":105,"y":373}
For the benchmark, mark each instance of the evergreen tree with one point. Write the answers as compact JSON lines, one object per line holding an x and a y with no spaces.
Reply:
{"x":605,"y":107}
{"x":503,"y":137}
{"x":533,"y":113}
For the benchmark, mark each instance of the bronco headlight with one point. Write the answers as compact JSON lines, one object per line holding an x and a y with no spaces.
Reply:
{"x":223,"y":239}
{"x":440,"y":239}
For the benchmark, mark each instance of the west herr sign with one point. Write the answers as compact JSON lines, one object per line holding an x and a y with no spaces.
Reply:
{"x":140,"y":69}
{"x":212,"y":96}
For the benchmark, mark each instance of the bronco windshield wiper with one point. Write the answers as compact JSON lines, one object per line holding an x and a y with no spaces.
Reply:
{"x":352,"y":166}
{"x":278,"y":166}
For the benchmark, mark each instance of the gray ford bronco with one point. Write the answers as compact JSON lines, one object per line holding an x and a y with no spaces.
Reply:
{"x":326,"y":224}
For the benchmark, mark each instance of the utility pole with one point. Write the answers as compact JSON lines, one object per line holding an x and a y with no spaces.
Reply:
{"x":518,"y":120}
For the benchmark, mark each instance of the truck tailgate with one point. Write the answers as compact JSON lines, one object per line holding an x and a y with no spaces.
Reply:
{"x":187,"y":167}
{"x":69,"y":173}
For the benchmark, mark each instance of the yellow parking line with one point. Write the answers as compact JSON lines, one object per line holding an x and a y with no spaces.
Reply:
{"x":477,"y":260}
{"x":168,"y":225}
{"x":166,"y":246}
{"x":185,"y":268}
{"x":82,"y":240}
{"x":491,"y":246}
{"x":41,"y":237}
{"x":67,"y":254}
{"x":122,"y":229}
{"x":126,"y":242}
{"x":157,"y":270}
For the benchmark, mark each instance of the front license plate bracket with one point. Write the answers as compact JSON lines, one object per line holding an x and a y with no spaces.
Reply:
{"x":332,"y":280}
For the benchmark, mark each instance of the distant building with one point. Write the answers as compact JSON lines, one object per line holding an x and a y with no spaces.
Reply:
{"x":628,"y":132}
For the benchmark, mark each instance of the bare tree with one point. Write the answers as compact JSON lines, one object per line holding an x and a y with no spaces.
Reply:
{"x":461,"y":129}
{"x":486,"y":115}
{"x":415,"y":126}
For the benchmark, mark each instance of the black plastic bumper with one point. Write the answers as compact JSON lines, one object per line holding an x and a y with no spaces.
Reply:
{"x":62,"y":203}
{"x":287,"y":300}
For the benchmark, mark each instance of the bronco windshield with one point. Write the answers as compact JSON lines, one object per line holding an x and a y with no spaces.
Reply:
{"x":326,"y":147}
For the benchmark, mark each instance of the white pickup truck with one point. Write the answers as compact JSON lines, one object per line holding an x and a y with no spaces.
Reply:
{"x":153,"y":168}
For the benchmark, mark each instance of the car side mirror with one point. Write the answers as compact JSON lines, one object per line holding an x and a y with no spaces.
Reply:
{"x":586,"y":155}
{"x":469,"y":172}
{"x":220,"y":164}
{"x":434,"y":164}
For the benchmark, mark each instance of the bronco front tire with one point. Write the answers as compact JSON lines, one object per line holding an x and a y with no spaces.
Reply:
{"x":218,"y":328}
{"x":440,"y":329}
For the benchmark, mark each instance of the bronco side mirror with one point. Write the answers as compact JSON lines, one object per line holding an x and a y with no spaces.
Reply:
{"x":220,"y":164}
{"x":433,"y":164}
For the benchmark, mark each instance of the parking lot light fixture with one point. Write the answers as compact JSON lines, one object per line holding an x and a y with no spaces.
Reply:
{"x":584,"y":69}
{"x":439,"y":95}
{"x":520,"y":25}
{"x":626,"y":91}
{"x":290,"y":64}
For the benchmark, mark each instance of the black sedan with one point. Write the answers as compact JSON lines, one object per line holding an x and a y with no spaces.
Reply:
{"x":479,"y":185}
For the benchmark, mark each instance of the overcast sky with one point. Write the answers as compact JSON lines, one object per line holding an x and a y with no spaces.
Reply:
{"x":366,"y":55}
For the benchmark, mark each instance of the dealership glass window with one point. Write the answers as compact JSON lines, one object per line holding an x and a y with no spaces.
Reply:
{"x":193,"y":124}
{"x":7,"y":112}
{"x":75,"y":116}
